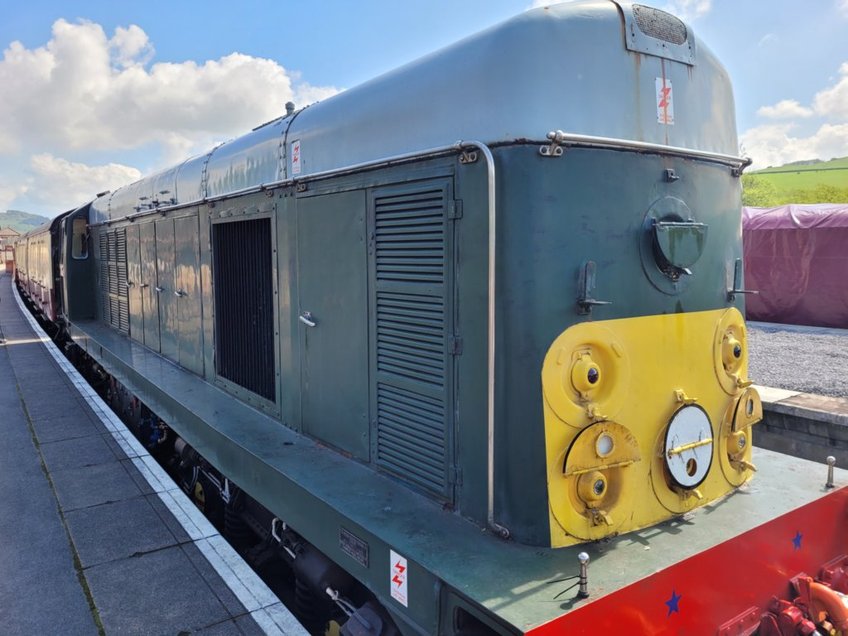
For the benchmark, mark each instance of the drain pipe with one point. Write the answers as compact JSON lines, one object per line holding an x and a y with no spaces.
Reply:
{"x":500,"y":530}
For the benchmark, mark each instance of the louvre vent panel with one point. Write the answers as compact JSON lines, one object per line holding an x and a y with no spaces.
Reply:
{"x":410,"y":237}
{"x":412,"y":327}
{"x":410,"y":439}
{"x":113,"y":279}
{"x":411,"y":336}
{"x":244,"y":318}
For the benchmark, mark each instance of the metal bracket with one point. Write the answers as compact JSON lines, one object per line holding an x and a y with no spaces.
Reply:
{"x":737,"y":282}
{"x":455,"y":346}
{"x":455,"y":209}
{"x":554,"y":149}
{"x":670,"y":175}
{"x":301,"y":187}
{"x":468,"y":156}
{"x":737,"y":171}
{"x":585,"y":286}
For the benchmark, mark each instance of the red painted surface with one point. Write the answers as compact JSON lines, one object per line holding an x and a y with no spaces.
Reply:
{"x":720,"y":583}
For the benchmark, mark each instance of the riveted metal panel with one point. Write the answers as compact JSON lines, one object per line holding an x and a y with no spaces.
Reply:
{"x":168,"y":328}
{"x":134,"y":290}
{"x":333,"y":288}
{"x":148,"y":280}
{"x":245,"y":162}
{"x":412,"y":328}
{"x":187,"y":294}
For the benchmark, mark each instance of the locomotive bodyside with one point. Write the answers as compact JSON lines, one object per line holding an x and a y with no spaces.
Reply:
{"x":391,"y":339}
{"x":415,"y":307}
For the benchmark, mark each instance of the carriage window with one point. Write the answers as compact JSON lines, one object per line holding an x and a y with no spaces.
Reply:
{"x":80,"y":239}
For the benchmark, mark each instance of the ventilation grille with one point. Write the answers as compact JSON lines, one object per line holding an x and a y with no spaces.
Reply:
{"x":244,"y":297}
{"x":411,"y":238}
{"x":113,"y":279}
{"x":659,"y":24}
{"x":411,"y":337}
{"x":411,"y":440}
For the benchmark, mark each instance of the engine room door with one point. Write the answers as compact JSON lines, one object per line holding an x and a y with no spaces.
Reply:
{"x":133,"y":283}
{"x":333,"y":312}
{"x":147,"y":285}
{"x":187,"y":293}
{"x":165,"y":289}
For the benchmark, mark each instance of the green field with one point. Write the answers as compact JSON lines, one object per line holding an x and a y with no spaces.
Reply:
{"x":820,"y":182}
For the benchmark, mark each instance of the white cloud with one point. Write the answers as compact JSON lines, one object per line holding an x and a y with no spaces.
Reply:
{"x":785,"y":109}
{"x":768,"y":39}
{"x":688,"y":10}
{"x":74,"y":183}
{"x":131,"y":46}
{"x":85,"y":91}
{"x":827,"y":118}
{"x":833,"y":102}
{"x":774,"y":144}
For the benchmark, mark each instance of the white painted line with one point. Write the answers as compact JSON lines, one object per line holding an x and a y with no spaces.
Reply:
{"x":157,"y":479}
{"x":258,"y":599}
{"x":193,"y":522}
{"x":773,"y":394}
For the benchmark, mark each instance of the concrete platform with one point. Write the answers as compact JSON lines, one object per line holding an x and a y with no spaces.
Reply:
{"x":95,"y":537}
{"x":804,"y":425}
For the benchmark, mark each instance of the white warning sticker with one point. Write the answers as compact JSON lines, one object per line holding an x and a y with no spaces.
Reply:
{"x":398,"y":576}
{"x":665,"y":102}
{"x":295,"y":156}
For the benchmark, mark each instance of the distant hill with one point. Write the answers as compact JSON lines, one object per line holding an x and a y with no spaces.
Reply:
{"x":21,"y":221}
{"x":810,"y":181}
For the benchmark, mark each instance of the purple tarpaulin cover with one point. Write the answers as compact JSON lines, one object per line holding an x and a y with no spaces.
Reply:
{"x":796,"y":256}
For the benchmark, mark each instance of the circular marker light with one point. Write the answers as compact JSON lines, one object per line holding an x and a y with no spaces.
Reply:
{"x":604,"y":444}
{"x":737,"y":351}
{"x":593,"y":375}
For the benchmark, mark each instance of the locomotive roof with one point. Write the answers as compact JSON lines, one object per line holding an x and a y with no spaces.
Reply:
{"x":590,"y":68}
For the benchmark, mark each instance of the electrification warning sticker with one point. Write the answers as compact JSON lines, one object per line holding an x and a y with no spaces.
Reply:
{"x":665,"y":102}
{"x":398,"y":577}
{"x":295,"y":156}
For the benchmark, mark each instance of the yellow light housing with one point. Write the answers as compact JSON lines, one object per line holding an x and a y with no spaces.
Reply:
{"x":645,"y":418}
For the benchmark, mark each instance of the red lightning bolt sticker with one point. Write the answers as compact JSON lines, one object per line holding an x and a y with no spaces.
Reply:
{"x":665,"y":102}
{"x":398,"y":578}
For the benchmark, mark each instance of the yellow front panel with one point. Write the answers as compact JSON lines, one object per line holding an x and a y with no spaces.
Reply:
{"x":645,"y":419}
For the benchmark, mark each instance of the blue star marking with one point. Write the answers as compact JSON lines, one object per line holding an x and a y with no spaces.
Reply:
{"x":673,"y":603}
{"x":796,"y":540}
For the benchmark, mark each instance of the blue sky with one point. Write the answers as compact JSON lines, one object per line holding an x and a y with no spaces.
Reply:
{"x":94,"y":94}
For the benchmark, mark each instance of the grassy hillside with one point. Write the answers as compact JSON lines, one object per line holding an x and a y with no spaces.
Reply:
{"x":801,"y":182}
{"x":21,"y":221}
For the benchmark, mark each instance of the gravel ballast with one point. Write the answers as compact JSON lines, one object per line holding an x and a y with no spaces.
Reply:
{"x":797,"y":358}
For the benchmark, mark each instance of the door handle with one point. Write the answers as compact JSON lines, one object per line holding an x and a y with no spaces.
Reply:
{"x":307,"y":319}
{"x":159,"y":290}
{"x":180,"y":293}
{"x":144,"y":285}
